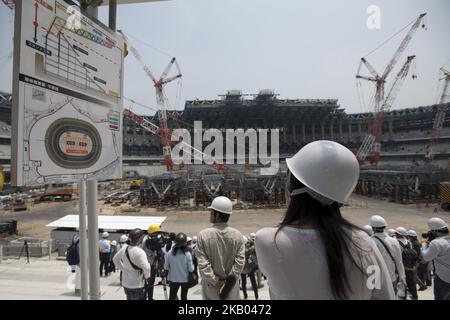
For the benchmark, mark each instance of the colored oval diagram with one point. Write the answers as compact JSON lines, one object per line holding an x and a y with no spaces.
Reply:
{"x":73,"y":144}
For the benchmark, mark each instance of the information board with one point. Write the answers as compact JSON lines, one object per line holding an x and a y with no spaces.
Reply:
{"x":67,"y":96}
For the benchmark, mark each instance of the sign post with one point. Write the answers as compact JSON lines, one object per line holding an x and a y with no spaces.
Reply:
{"x":83,"y":242}
{"x":67,"y":127}
{"x":94,"y":276}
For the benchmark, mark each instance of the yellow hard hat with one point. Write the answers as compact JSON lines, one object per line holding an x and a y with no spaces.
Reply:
{"x":153,"y":228}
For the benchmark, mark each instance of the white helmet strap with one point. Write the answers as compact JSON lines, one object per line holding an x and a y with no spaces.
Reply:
{"x":323,"y":200}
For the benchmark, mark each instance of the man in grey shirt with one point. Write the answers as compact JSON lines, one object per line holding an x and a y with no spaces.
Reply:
{"x":220,"y":253}
{"x":437,"y":249}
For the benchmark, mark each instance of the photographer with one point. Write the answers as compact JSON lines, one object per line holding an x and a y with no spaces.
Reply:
{"x":133,"y":262}
{"x":153,"y":245}
{"x":437,"y":249}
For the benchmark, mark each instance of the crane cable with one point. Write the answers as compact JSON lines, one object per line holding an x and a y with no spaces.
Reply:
{"x":389,"y":39}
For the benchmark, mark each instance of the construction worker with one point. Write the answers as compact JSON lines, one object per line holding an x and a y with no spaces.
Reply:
{"x":391,"y":233}
{"x":132,"y":260}
{"x":391,"y":252}
{"x":412,"y":237}
{"x":410,"y":260}
{"x":315,"y":253}
{"x":368,"y":229}
{"x":178,"y":264}
{"x":251,"y":265}
{"x":122,"y":241}
{"x":437,"y":249}
{"x":220,"y":254}
{"x":105,"y":250}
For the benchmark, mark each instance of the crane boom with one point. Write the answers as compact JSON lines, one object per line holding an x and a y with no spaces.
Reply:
{"x":439,"y":118}
{"x":403,"y":46}
{"x":154,"y":129}
{"x":10,"y":3}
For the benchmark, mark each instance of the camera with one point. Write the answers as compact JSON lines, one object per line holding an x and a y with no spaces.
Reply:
{"x":156,"y":241}
{"x":428,"y":235}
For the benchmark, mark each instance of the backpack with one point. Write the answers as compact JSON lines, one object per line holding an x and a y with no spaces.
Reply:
{"x":72,"y":254}
{"x":409,"y":256}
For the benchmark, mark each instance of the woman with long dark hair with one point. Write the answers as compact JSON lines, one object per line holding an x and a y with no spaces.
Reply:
{"x":178,"y":264}
{"x":315,"y":253}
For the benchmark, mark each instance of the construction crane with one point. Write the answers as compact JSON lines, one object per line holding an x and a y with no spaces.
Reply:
{"x":371,"y":142}
{"x":190,"y":150}
{"x":439,"y":118}
{"x":163,"y":129}
{"x":10,"y":3}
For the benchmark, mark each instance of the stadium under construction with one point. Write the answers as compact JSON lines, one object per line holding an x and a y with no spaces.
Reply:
{"x":402,"y":174}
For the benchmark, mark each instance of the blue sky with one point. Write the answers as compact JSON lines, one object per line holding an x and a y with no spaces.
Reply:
{"x":302,"y":49}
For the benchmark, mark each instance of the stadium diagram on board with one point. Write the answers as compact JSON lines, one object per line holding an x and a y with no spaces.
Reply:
{"x":68,"y":74}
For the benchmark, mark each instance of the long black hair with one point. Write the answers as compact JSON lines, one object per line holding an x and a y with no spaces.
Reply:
{"x":333,"y":229}
{"x":175,"y":249}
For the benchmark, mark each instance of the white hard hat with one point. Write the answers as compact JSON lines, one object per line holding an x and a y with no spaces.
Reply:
{"x":252,"y":236}
{"x":368,"y":229}
{"x":188,"y":239}
{"x":437,"y":224}
{"x":391,"y":232}
{"x":377,"y":221}
{"x":222,"y":204}
{"x":412,"y":233}
{"x":194,"y":238}
{"x":114,"y":243}
{"x":327,"y":168}
{"x":123,"y":238}
{"x":401,"y":231}
{"x":105,"y":234}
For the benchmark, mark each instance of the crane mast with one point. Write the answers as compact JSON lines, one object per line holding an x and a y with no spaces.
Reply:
{"x":439,"y":118}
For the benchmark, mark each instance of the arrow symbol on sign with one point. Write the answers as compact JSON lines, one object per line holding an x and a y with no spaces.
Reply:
{"x":35,"y":23}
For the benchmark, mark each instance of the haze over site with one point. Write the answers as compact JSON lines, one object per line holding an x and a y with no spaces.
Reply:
{"x":302,"y":49}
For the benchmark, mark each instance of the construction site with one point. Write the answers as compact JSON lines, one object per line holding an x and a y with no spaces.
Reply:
{"x":404,"y":154}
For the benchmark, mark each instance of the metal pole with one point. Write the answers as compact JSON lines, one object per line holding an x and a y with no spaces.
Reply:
{"x":1,"y":254}
{"x":49,"y":249}
{"x":83,"y":243}
{"x":94,"y":275}
{"x":112,"y":14}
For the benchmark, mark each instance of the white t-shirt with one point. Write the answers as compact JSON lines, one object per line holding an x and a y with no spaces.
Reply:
{"x":132,"y":278}
{"x":296,"y":268}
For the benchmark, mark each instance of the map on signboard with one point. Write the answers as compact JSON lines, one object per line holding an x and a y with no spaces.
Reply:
{"x":67,"y":120}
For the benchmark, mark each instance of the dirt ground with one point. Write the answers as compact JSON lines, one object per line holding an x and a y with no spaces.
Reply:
{"x":32,"y":223}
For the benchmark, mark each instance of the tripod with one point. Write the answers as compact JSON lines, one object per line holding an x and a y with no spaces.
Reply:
{"x":157,"y":270}
{"x":27,"y":251}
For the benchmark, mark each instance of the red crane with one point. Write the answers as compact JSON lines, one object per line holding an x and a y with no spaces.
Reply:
{"x":163,"y":130}
{"x":371,"y":142}
{"x":439,"y":118}
{"x":153,"y":128}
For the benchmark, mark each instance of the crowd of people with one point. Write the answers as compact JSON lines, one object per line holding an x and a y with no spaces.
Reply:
{"x":314,"y":253}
